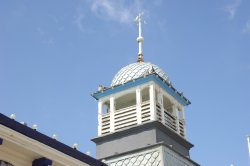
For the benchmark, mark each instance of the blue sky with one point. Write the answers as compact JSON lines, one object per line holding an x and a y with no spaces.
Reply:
{"x":54,"y":54}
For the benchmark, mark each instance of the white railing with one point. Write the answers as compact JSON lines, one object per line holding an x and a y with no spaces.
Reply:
{"x":170,"y":121}
{"x":145,"y":112}
{"x":105,"y":123}
{"x":127,"y":117}
{"x":182,"y":127}
{"x":158,"y":113}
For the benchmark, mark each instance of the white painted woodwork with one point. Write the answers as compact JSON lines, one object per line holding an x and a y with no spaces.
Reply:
{"x":152,"y":102}
{"x":138,"y":105}
{"x":100,"y":106}
{"x":21,"y":150}
{"x":112,"y":114}
{"x":162,"y":108}
{"x":176,"y":113}
{"x":182,"y":122}
{"x":141,"y":112}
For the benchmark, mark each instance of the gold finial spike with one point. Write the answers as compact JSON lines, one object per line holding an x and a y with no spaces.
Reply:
{"x":140,"y":58}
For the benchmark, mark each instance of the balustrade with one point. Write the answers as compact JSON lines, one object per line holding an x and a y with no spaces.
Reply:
{"x":127,"y":117}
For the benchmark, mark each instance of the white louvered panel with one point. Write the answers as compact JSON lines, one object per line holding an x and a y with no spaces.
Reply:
{"x":122,"y":118}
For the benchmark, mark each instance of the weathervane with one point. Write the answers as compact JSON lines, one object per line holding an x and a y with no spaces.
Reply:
{"x":140,"y":39}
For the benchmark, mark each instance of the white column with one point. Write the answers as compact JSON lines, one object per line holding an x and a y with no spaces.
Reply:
{"x":112,"y":114}
{"x":99,"y":118}
{"x":176,"y":114}
{"x":152,"y":102}
{"x":138,"y":105}
{"x":163,"y":120}
{"x":182,"y":114}
{"x":182,"y":118}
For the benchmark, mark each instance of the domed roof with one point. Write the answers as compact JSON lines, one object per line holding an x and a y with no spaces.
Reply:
{"x":136,"y":70}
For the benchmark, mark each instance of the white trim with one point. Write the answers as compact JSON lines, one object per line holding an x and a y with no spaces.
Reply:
{"x":176,"y":113}
{"x":126,"y":91}
{"x":152,"y":102}
{"x":38,"y":147}
{"x":14,"y":158}
{"x":183,"y":119}
{"x":100,"y":107}
{"x":138,"y":105}
{"x":163,"y":120}
{"x":171,"y":98}
{"x":112,"y":114}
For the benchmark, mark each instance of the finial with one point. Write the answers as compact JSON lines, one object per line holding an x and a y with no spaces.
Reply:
{"x":140,"y":39}
{"x":75,"y":146}
{"x":24,"y":123}
{"x":54,"y":136}
{"x":13,"y":116}
{"x":34,"y":127}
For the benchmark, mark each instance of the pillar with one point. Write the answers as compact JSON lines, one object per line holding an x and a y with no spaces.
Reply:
{"x":176,"y":114}
{"x":182,"y":118}
{"x":100,"y":106}
{"x":182,"y":114}
{"x":152,"y":102}
{"x":138,"y":105}
{"x":163,"y":120}
{"x":112,"y":114}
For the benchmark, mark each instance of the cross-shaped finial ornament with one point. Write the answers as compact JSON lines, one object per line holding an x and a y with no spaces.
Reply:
{"x":140,"y":39}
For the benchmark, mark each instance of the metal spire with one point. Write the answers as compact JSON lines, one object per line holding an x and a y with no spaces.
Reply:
{"x":140,"y":39}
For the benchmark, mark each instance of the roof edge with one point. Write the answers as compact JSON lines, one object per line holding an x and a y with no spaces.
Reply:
{"x":33,"y":134}
{"x":132,"y":83}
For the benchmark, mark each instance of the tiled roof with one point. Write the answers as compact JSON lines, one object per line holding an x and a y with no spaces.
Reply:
{"x":147,"y":159}
{"x":136,"y":70}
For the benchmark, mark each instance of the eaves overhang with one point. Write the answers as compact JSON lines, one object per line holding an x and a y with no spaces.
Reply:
{"x":35,"y":135}
{"x":142,"y":80}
